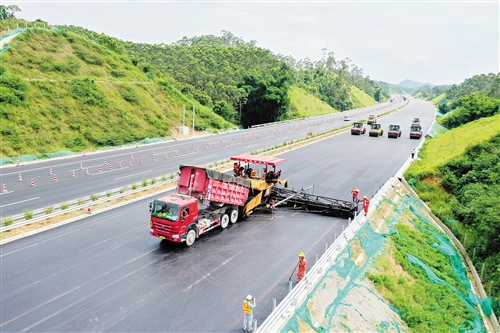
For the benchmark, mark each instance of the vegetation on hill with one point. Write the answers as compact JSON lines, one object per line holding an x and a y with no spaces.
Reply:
{"x":332,"y":81}
{"x":458,"y":176}
{"x":214,"y":69}
{"x":60,"y":91}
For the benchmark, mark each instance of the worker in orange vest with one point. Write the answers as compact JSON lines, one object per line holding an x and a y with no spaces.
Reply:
{"x":366,"y":203}
{"x":302,"y":266}
{"x":248,"y":307}
{"x":355,"y":195}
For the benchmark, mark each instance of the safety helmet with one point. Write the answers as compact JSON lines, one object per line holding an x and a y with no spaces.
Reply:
{"x":301,"y":254}
{"x":357,"y":190}
{"x":365,"y":197}
{"x":249,"y":297}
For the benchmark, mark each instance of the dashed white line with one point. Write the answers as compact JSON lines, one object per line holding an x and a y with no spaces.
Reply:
{"x":204,"y":158}
{"x":18,"y":202}
{"x":135,"y":174}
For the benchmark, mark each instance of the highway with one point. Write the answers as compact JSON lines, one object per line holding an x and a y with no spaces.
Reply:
{"x":107,"y":274}
{"x":167,"y":158}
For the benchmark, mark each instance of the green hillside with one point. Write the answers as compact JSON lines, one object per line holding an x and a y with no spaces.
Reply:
{"x":361,"y":98}
{"x":60,"y":91}
{"x":303,"y":104}
{"x":458,"y":176}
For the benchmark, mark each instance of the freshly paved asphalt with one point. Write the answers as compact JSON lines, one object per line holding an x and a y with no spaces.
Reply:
{"x":168,"y":156}
{"x":105,"y":273}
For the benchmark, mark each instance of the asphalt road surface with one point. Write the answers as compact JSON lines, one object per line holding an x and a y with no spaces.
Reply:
{"x":106,"y":273}
{"x":167,"y":158}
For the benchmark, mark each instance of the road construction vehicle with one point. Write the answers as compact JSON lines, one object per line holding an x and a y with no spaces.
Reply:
{"x":372,"y":119}
{"x":415,"y":132}
{"x":206,"y":199}
{"x":375,"y":130}
{"x":394,"y":131}
{"x":358,"y":128}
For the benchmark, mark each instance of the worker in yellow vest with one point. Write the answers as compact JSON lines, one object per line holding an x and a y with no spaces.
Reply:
{"x":248,"y":305}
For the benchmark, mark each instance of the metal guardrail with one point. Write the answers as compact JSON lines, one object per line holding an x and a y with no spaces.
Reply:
{"x":285,"y":309}
{"x":40,"y":214}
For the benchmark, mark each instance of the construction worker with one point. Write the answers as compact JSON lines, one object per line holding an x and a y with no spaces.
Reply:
{"x":366,"y":203}
{"x":248,"y":307}
{"x":302,"y":266}
{"x":236,"y":169}
{"x":355,"y":195}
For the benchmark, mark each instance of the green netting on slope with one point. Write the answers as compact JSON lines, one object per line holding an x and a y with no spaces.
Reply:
{"x":444,"y":245}
{"x":346,"y":269}
{"x":29,"y":158}
{"x":373,"y":243}
{"x":436,"y":129}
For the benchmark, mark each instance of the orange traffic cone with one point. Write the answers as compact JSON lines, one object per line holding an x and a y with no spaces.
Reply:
{"x":73,"y":174}
{"x":19,"y":178}
{"x":32,"y":182}
{"x":55,"y":177}
{"x":4,"y":187}
{"x":89,"y":210}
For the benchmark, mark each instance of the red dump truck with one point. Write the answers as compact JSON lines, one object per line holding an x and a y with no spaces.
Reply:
{"x":205,"y":199}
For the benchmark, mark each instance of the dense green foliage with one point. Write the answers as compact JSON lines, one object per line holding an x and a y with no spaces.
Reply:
{"x":213,"y":69}
{"x":267,"y":97}
{"x":488,"y":85}
{"x":8,"y":12}
{"x":429,"y":92}
{"x":474,"y":180}
{"x":331,"y":81}
{"x":470,"y":108}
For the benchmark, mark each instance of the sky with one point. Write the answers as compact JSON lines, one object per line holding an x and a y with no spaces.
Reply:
{"x":437,"y":42}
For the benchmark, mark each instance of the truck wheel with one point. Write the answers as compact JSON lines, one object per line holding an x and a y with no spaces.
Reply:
{"x":234,"y":216}
{"x":224,"y":221}
{"x":190,"y":237}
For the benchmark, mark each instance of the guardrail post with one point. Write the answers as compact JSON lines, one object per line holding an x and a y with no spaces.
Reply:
{"x":290,"y":286}
{"x":349,"y":221}
{"x":274,"y":304}
{"x":326,"y":247}
{"x":316,"y":258}
{"x":255,"y":325}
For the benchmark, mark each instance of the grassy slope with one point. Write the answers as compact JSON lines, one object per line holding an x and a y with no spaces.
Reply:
{"x":437,"y":99}
{"x":361,"y":99}
{"x":450,"y":145}
{"x":304,"y":104}
{"x":81,"y":96}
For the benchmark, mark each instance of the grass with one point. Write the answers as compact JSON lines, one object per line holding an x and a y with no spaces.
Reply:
{"x":303,"y":104}
{"x":437,"y":99}
{"x":86,"y":96}
{"x":361,"y":98}
{"x":452,"y":144}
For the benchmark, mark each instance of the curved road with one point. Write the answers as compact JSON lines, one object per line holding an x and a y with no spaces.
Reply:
{"x":105,"y":273}
{"x":167,"y":158}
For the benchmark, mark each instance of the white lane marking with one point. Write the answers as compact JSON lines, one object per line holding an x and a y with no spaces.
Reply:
{"x":17,"y":202}
{"x":135,"y":174}
{"x":208,"y":274}
{"x":251,"y":145}
{"x":6,"y":192}
{"x":203,"y":158}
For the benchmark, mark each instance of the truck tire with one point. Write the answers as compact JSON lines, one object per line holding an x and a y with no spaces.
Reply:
{"x":233,"y":217}
{"x":190,"y":237}
{"x":224,"y":221}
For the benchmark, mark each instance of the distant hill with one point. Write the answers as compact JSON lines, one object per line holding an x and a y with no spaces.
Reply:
{"x":413,"y":84}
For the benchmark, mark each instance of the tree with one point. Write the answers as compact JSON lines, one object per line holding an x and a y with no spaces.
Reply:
{"x":268,"y":99}
{"x":8,"y":12}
